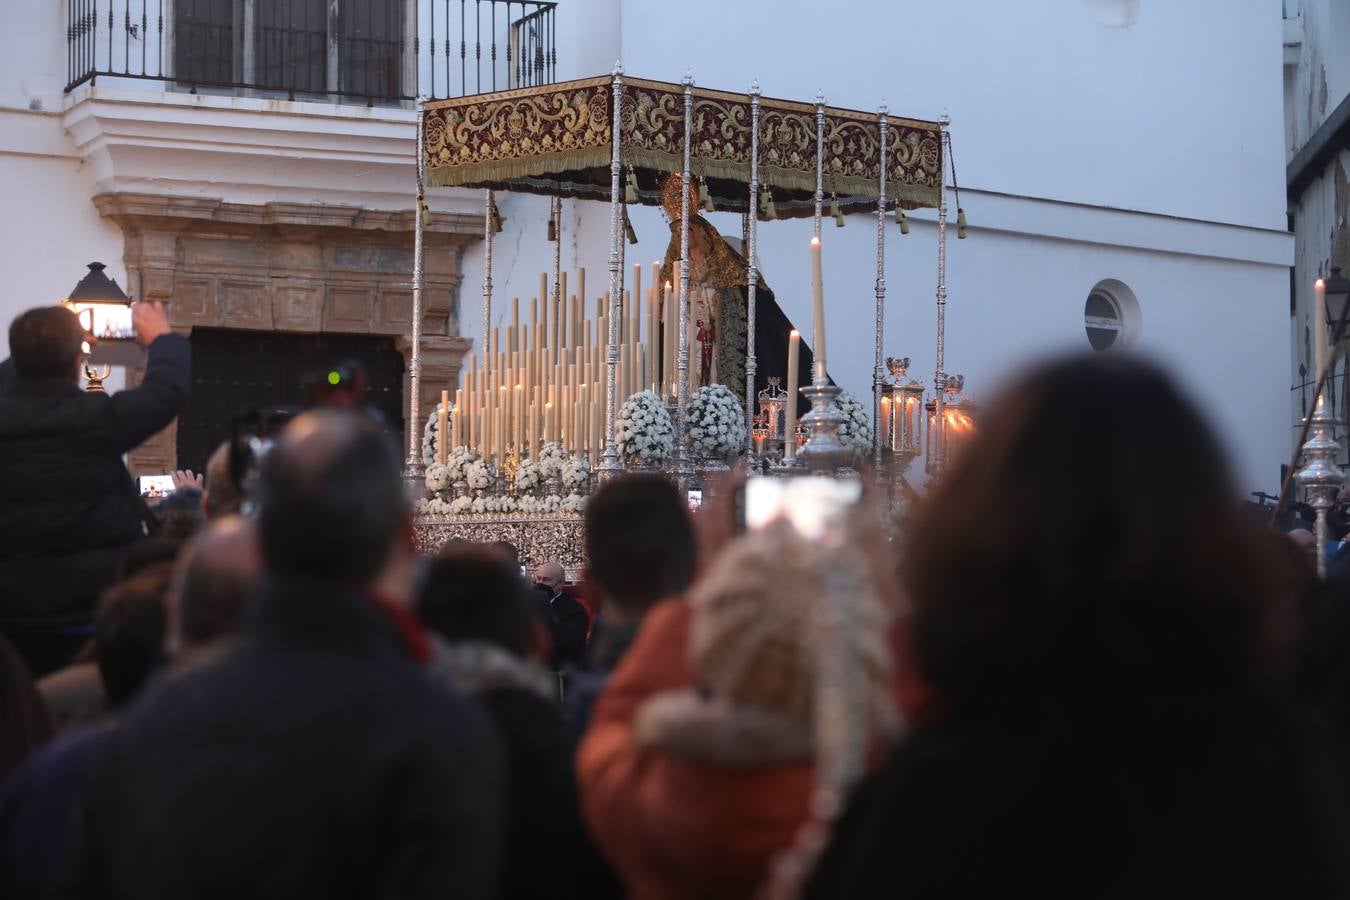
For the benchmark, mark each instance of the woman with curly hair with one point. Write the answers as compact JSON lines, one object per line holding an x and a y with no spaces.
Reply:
{"x":1106,"y":638}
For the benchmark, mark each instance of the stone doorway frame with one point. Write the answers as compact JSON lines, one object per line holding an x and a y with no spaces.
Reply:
{"x":293,"y":267}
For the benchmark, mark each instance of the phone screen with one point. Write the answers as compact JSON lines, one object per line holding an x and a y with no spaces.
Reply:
{"x":155,"y":485}
{"x":695,"y":499}
{"x":811,"y":504}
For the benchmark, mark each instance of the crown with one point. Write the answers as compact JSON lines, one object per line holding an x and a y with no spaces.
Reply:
{"x":670,"y":197}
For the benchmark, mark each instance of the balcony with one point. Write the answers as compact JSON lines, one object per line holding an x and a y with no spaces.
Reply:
{"x":375,"y":52}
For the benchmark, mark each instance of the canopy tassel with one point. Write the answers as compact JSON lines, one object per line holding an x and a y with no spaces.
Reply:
{"x":628,"y":227}
{"x":704,"y":198}
{"x":767,"y":209}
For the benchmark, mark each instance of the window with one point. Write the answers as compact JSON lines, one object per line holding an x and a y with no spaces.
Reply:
{"x":1103,"y":320}
{"x":297,"y":46}
{"x":1111,"y":316}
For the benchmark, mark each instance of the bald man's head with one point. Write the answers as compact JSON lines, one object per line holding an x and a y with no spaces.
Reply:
{"x":213,"y":580}
{"x":332,"y":499}
{"x":550,"y":575}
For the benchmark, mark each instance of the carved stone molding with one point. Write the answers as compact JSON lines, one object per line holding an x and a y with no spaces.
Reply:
{"x":292,"y":267}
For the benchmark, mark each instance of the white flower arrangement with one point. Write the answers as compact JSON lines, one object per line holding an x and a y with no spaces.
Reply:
{"x":576,"y":473}
{"x":479,"y":475}
{"x":438,"y":477}
{"x":461,"y":506}
{"x":551,"y":459}
{"x":429,"y":436}
{"x":716,"y":422}
{"x":527,"y":475}
{"x":574,"y":503}
{"x":456,"y":461}
{"x":489,"y":505}
{"x":434,"y":506}
{"x":644,"y":430}
{"x":528,"y":504}
{"x":856,"y":432}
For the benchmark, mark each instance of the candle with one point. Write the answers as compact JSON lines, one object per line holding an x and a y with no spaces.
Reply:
{"x":637,"y":293}
{"x":581,"y":286}
{"x":583,"y":419}
{"x":648,"y":370}
{"x":1319,"y":328}
{"x":442,"y":429}
{"x":499,"y":427}
{"x":457,"y":437}
{"x":548,"y":422}
{"x":533,"y":438}
{"x":818,"y":310}
{"x":672,"y":330}
{"x":635,"y":317}
{"x":518,"y":419}
{"x":790,"y":429}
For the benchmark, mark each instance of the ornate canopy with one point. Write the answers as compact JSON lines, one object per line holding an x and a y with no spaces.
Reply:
{"x":556,"y":139}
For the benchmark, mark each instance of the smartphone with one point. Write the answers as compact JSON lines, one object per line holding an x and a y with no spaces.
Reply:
{"x":155,"y":485}
{"x":106,"y":322}
{"x":811,"y":504}
{"x":695,"y":500}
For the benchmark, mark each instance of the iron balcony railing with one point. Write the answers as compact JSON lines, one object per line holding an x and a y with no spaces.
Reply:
{"x":356,"y":50}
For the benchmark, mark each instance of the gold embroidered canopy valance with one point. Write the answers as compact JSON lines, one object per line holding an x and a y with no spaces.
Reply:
{"x":557,"y":140}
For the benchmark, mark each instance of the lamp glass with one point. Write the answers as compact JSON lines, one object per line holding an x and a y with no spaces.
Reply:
{"x":1337,"y":296}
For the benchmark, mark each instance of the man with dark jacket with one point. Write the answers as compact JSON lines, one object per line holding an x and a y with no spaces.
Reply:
{"x":68,"y":506}
{"x":313,"y":757}
{"x":482,"y":610}
{"x":641,"y":550}
{"x":565,"y":617}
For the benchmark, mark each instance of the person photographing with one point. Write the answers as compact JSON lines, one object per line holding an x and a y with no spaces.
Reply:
{"x":68,"y":505}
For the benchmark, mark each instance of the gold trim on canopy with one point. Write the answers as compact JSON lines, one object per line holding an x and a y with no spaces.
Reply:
{"x":556,"y":140}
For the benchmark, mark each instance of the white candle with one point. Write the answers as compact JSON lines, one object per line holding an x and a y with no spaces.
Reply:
{"x":442,"y":430}
{"x":1319,"y":328}
{"x":817,"y":309}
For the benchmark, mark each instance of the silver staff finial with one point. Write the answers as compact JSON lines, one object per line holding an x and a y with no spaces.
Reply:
{"x":688,"y":79}
{"x":883,"y":109}
{"x":618,"y":68}
{"x":754,"y":87}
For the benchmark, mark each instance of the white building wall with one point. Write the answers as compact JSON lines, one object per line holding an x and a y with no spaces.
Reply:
{"x":50,"y":229}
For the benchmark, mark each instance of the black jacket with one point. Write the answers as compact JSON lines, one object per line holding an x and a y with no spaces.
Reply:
{"x":313,"y":759}
{"x":1168,"y":793}
{"x":549,"y":853}
{"x":567,"y":625}
{"x":68,"y":506}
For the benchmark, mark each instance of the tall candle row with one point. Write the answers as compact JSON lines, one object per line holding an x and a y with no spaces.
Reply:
{"x":543,"y":379}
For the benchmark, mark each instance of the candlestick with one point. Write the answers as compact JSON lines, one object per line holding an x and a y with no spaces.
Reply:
{"x":793,"y":364}
{"x":817,"y":307}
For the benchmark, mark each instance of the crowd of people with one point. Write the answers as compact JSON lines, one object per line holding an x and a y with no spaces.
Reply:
{"x":1082,"y":674}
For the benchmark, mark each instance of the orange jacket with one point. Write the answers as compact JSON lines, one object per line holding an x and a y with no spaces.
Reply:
{"x":675,"y":829}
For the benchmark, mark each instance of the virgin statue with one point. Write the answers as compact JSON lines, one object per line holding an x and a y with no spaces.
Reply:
{"x":718,"y":298}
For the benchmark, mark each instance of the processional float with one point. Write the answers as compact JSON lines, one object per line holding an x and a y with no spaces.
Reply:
{"x":617,"y":139}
